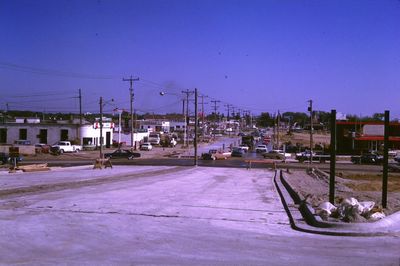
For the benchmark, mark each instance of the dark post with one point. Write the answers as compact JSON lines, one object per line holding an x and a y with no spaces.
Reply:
{"x":195,"y":127}
{"x":385,"y":161}
{"x":333,"y":158}
{"x":101,"y":128}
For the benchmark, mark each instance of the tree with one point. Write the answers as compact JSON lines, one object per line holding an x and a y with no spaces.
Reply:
{"x":264,"y":120}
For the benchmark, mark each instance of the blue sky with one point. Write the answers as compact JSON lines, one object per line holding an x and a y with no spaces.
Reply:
{"x":256,"y":55}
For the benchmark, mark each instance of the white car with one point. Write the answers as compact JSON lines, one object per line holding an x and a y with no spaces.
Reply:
{"x":244,"y":147}
{"x":261,"y":148}
{"x":146,"y":146}
{"x":286,"y":154}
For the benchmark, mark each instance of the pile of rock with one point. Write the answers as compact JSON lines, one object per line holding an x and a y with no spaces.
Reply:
{"x":350,"y":210}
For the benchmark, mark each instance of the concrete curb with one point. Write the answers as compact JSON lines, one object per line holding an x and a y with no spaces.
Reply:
{"x":302,"y":218}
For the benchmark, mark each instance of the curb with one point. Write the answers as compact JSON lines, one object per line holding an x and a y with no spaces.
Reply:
{"x":302,"y":218}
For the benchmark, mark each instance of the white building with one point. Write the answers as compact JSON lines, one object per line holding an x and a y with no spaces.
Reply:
{"x":36,"y":131}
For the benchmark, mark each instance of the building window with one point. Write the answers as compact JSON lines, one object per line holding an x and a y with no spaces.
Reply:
{"x":64,"y":134}
{"x":87,"y":141}
{"x":23,"y":133}
{"x":3,"y":135}
{"x":43,"y":136}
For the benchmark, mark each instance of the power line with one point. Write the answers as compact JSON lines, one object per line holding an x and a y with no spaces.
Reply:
{"x":51,"y":72}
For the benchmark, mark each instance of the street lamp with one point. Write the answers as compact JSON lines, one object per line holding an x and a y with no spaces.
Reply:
{"x":163,"y":93}
{"x":195,"y":119}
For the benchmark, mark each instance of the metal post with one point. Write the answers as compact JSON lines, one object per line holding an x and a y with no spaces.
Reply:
{"x":385,"y":161}
{"x":333,"y":158}
{"x":195,"y":127}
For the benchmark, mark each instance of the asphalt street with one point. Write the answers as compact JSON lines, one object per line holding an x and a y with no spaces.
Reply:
{"x":164,"y":215}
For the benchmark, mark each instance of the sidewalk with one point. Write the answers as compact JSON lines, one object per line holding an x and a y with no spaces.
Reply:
{"x":302,"y":217}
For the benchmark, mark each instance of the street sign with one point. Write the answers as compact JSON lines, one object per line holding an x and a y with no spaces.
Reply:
{"x":14,"y":151}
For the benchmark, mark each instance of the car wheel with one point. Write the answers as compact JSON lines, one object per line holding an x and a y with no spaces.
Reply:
{"x":61,"y":151}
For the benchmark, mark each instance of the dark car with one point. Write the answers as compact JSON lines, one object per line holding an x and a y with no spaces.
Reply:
{"x":369,"y":158}
{"x":122,"y":154}
{"x":237,"y":152}
{"x":5,"y":158}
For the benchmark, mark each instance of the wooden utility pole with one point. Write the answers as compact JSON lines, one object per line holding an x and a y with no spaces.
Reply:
{"x":195,"y":127}
{"x":310,"y":109}
{"x":101,"y":128}
{"x":131,"y":80}
{"x":187,"y":118}
{"x":80,"y":107}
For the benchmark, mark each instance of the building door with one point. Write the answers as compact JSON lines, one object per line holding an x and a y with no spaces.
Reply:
{"x":64,"y":134}
{"x":43,"y":136}
{"x":3,"y":135}
{"x":108,"y":139}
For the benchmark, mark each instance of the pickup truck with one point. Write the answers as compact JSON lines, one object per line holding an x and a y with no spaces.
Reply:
{"x":305,"y":156}
{"x":64,"y":146}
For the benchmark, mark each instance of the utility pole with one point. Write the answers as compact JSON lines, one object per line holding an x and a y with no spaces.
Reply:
{"x":187,"y":119}
{"x":215,"y":109}
{"x":310,"y":109}
{"x":277,"y":129}
{"x":80,"y":107}
{"x":202,"y":114}
{"x":215,"y":112}
{"x":228,"y":106}
{"x":385,"y":160}
{"x":332,"y":172}
{"x":101,"y":128}
{"x":80,"y":111}
{"x":195,"y":127}
{"x":131,"y":80}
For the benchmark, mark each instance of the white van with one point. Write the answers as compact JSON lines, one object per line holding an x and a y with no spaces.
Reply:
{"x":154,"y":138}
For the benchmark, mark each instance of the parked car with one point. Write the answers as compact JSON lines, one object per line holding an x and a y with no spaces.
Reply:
{"x":285,"y":154}
{"x":122,"y":154}
{"x":5,"y":158}
{"x":316,"y":156}
{"x":42,"y":148}
{"x":274,"y":155}
{"x":22,"y":142}
{"x":367,"y":158}
{"x":237,"y":152}
{"x":261,"y":148}
{"x":146,"y":146}
{"x":244,"y":147}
